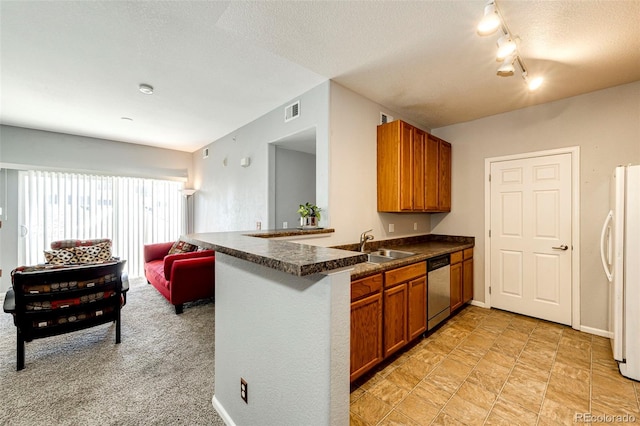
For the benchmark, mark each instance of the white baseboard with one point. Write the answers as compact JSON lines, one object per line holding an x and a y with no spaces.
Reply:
{"x":223,"y":413}
{"x":479,"y":304}
{"x":596,"y":331}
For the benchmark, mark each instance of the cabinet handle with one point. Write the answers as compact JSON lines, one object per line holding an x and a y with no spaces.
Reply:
{"x":562,"y":247}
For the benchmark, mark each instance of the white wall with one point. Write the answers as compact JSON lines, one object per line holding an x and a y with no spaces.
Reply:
{"x":9,"y":230}
{"x":233,"y":198}
{"x":295,"y":184}
{"x":36,"y":149}
{"x":604,"y":124}
{"x":24,"y":149}
{"x":353,"y":174}
{"x":288,"y":337}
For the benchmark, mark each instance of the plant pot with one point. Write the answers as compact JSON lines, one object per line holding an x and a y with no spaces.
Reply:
{"x":308,"y":222}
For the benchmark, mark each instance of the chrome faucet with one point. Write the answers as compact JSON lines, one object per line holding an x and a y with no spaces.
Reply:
{"x":364,"y":238}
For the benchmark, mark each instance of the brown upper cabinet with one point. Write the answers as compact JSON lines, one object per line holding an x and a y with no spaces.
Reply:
{"x":414,"y":170}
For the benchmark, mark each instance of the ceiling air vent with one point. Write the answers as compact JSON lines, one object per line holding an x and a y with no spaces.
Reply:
{"x":292,"y":111}
{"x":385,"y":118}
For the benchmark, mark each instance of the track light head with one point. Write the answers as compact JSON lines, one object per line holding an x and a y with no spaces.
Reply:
{"x":533,"y":83}
{"x":490,"y":22}
{"x":507,"y":69}
{"x":506,"y":47}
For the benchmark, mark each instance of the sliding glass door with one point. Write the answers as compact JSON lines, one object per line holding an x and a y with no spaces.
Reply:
{"x":130,"y":211}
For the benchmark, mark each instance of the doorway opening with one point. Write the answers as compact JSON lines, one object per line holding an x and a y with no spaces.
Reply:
{"x":292,"y":177}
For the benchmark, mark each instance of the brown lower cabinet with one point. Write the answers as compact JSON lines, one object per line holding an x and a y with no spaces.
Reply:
{"x":461,"y":278}
{"x":417,"y":307}
{"x":405,"y":305}
{"x":366,"y":324}
{"x":467,"y":275}
{"x":456,"y":284}
{"x":389,"y":310}
{"x":396,"y":333}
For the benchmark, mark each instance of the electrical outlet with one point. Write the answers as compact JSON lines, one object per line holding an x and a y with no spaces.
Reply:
{"x":415,"y":226}
{"x":285,"y":225}
{"x":243,"y":390}
{"x":392,"y":227}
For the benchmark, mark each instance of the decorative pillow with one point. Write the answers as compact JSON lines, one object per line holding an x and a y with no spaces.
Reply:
{"x":182,"y":247}
{"x":93,"y":254}
{"x":75,"y":243}
{"x":61,"y":256}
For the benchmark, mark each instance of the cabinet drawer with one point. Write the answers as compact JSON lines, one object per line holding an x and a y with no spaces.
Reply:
{"x":456,"y":257}
{"x":468,"y":253}
{"x":405,"y":273}
{"x":366,"y":286}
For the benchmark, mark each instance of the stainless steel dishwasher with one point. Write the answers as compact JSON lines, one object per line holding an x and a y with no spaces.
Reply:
{"x":438,"y":290}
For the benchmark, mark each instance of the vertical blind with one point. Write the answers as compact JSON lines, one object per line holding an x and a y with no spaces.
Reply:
{"x":130,"y":211}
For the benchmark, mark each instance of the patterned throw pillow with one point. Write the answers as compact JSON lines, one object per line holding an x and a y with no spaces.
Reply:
{"x":75,"y":243}
{"x":61,"y":256}
{"x":93,"y":254}
{"x":182,"y":247}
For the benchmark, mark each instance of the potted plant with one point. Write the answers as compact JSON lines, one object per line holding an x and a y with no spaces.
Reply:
{"x":309,"y":215}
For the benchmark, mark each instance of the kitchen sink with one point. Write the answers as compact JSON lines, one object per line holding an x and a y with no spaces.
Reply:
{"x":387,"y":255}
{"x":373,"y":258}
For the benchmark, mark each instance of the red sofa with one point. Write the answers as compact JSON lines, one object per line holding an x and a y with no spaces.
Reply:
{"x":181,"y":277}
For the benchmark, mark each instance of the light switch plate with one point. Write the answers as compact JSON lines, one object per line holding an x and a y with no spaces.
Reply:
{"x":392,"y":227}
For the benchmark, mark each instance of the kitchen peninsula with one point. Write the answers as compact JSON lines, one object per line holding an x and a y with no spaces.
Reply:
{"x":282,"y":325}
{"x":283,"y":322}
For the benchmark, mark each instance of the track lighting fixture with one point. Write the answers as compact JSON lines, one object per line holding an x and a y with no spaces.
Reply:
{"x":507,"y":69}
{"x":507,"y":47}
{"x":490,"y":22}
{"x":533,"y":83}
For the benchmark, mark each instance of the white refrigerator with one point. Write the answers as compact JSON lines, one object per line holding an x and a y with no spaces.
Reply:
{"x":620,"y":253}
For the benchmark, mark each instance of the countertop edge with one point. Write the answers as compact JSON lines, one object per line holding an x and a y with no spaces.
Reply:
{"x":292,"y":258}
{"x":376,"y":268}
{"x":261,"y":248}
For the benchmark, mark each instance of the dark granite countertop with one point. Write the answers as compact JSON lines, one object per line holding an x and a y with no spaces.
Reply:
{"x":424,"y":247}
{"x":303,"y":259}
{"x":293,"y":258}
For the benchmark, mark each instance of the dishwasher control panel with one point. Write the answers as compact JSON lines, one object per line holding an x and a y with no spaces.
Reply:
{"x":437,"y":262}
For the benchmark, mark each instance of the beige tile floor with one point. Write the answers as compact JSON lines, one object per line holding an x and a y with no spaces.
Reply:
{"x":493,"y":367}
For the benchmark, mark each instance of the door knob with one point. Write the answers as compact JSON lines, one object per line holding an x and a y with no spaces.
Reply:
{"x":562,"y":247}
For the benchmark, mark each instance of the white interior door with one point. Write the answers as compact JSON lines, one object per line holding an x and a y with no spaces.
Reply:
{"x":530,"y":222}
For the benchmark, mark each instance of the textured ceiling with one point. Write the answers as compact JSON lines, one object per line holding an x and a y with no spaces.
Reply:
{"x":74,"y":67}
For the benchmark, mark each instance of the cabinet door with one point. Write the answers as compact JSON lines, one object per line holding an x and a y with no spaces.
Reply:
{"x":388,"y":158}
{"x":444,"y":190}
{"x":406,"y":166}
{"x":395,"y":318}
{"x":366,"y":334}
{"x":431,"y":172}
{"x":418,"y":169}
{"x":417,"y":307}
{"x":467,"y":280}
{"x":456,"y":286}
{"x":366,"y":286}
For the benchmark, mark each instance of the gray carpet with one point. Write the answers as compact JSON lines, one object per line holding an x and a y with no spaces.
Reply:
{"x":161,"y":373}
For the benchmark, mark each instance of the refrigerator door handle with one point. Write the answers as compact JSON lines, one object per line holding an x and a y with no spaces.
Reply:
{"x":604,"y":240}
